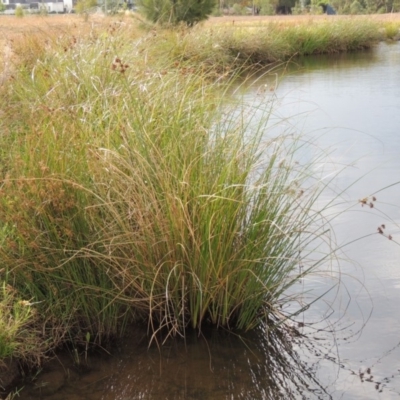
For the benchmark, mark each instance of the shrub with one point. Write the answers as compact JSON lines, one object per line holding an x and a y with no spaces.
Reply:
{"x":267,"y":10}
{"x":356,"y":7}
{"x":176,"y":11}
{"x":84,"y":6}
{"x":239,"y":10}
{"x":43,"y":10}
{"x":19,"y":12}
{"x":217,"y":12}
{"x":392,"y":30}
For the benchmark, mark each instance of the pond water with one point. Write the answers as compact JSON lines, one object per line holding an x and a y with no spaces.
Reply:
{"x":348,"y":105}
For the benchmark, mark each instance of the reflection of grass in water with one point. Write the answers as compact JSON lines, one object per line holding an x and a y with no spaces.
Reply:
{"x":265,"y":363}
{"x":127,"y":197}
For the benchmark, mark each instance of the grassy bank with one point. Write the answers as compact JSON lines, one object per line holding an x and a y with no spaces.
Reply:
{"x":261,"y":44}
{"x":223,"y":42}
{"x":131,"y":191}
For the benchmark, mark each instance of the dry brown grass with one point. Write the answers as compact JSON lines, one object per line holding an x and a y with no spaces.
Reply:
{"x":12,"y":29}
{"x":33,"y":31}
{"x":297,"y":19}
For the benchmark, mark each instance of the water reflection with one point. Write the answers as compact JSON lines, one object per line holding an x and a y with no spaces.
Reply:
{"x":366,"y":58}
{"x":355,"y":113}
{"x":215,"y":365}
{"x":348,"y":106}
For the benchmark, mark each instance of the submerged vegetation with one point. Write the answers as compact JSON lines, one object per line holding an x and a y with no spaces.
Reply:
{"x":131,"y":193}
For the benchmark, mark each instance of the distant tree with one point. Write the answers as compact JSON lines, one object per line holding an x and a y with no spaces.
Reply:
{"x":2,"y":6}
{"x":19,"y":12}
{"x":227,"y":3}
{"x":267,"y":7}
{"x":392,"y":5}
{"x":83,"y":6}
{"x":43,"y":9}
{"x":285,"y":6}
{"x":356,"y":7}
{"x":396,"y":6}
{"x":365,"y":6}
{"x":176,"y":11}
{"x":238,"y":9}
{"x":296,"y":10}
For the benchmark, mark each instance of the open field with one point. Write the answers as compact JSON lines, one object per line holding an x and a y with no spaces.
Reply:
{"x":11,"y":27}
{"x":72,"y":25}
{"x":55,"y":24}
{"x":25,"y":30}
{"x":296,"y":19}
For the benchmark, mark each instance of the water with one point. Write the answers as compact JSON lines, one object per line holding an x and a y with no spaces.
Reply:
{"x":348,"y":105}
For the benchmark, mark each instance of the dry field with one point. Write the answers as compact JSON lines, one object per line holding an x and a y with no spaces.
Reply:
{"x":296,"y":19}
{"x":12,"y":28}
{"x":54,"y":24}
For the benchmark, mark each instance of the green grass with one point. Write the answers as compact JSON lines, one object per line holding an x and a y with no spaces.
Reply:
{"x":236,"y":46}
{"x":20,"y":335}
{"x":131,"y":191}
{"x":392,"y":30}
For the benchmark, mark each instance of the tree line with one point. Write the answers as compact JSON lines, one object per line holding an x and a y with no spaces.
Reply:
{"x":192,"y":11}
{"x":270,"y":7}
